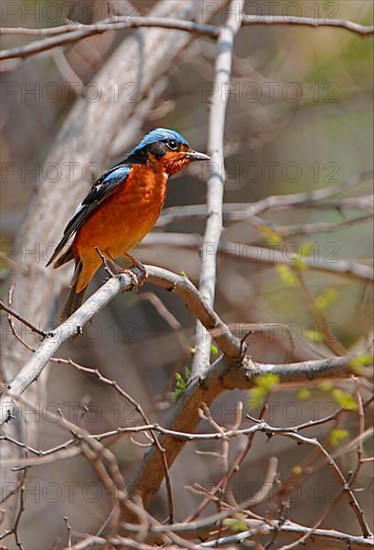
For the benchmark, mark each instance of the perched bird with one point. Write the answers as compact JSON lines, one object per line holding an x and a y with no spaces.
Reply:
{"x":121,"y":208}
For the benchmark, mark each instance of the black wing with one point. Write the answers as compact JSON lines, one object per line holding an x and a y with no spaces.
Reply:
{"x":100,"y":191}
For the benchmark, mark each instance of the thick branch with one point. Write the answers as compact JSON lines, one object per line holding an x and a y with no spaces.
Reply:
{"x":232,"y":370}
{"x":228,"y":343}
{"x":141,"y":60}
{"x":223,"y":375}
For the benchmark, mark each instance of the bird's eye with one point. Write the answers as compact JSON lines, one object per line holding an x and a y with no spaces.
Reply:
{"x":172,"y":144}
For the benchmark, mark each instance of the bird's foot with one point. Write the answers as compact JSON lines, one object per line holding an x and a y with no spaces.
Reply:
{"x":138,"y":281}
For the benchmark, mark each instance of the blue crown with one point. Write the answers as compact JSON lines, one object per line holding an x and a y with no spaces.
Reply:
{"x":159,"y":134}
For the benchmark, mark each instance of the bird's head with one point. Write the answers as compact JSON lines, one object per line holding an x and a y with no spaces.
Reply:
{"x":167,"y":147}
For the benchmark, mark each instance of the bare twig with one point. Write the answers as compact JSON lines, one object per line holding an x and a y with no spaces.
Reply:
{"x":142,"y":59}
{"x":12,"y":324}
{"x":169,"y":318}
{"x":321,"y":198}
{"x":234,"y":468}
{"x":271,"y":255}
{"x":221,"y":376}
{"x":339,"y":474}
{"x":20,"y":318}
{"x":73,"y":32}
{"x":229,"y":344}
{"x":79,"y":31}
{"x":140,"y":410}
{"x":21,"y":509}
{"x":184,"y":436}
{"x":361,"y":30}
{"x":323,"y":536}
{"x":224,"y":375}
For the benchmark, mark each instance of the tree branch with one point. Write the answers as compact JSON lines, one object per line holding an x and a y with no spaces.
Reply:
{"x":323,"y":536}
{"x":216,"y":180}
{"x":229,"y":344}
{"x":309,"y":199}
{"x":79,"y":31}
{"x":315,"y":22}
{"x":73,"y":32}
{"x":141,"y":59}
{"x":272,"y":255}
{"x":232,"y":370}
{"x":12,"y":313}
{"x":224,"y":375}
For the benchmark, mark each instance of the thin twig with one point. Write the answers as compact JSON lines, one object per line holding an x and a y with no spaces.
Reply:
{"x":14,"y":314}
{"x":80,"y":31}
{"x":321,"y":198}
{"x":73,"y":32}
{"x":339,"y":474}
{"x":271,"y":255}
{"x":315,"y":22}
{"x":140,"y":410}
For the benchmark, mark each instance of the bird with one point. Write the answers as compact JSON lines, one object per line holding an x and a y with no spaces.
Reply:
{"x":120,"y":209}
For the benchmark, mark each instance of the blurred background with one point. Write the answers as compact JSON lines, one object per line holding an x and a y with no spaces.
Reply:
{"x":299,"y":119}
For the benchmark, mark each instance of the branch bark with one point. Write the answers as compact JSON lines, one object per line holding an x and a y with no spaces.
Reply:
{"x":315,"y":22}
{"x":216,"y":180}
{"x":233,"y":370}
{"x":72,"y":32}
{"x":79,"y":32}
{"x":269,"y":256}
{"x":225,"y":374}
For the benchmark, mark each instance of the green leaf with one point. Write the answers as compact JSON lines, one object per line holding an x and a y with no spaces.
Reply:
{"x":264,"y":383}
{"x":267,"y":381}
{"x":364,"y":360}
{"x":300,"y":264}
{"x":337,"y":436}
{"x":303,"y":394}
{"x":326,"y":299}
{"x":256,"y":397}
{"x":272,"y":237}
{"x":313,"y":335}
{"x":344,"y":399}
{"x":286,"y":275}
{"x":326,"y":385}
{"x":181,"y":384}
{"x":237,"y":525}
{"x":213,"y":349}
{"x":307,"y":249}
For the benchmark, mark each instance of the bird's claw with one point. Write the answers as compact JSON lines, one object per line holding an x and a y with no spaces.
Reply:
{"x":137,"y":282}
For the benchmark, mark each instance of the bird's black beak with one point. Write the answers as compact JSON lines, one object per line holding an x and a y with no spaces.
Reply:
{"x":195,"y":155}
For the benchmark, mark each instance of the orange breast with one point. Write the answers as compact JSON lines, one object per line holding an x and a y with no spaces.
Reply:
{"x":124,"y":219}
